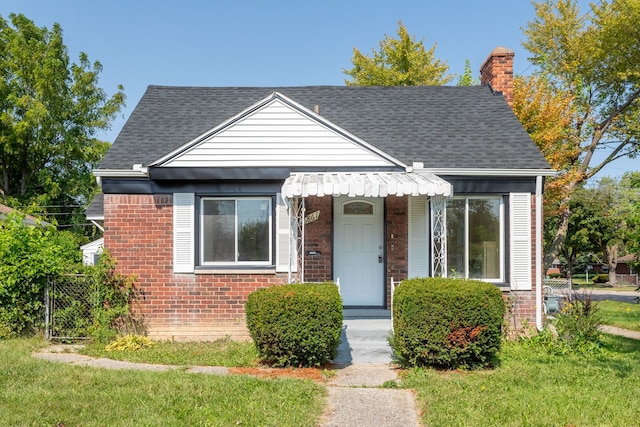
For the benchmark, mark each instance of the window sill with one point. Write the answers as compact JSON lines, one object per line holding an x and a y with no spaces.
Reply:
{"x":210,"y":270}
{"x":504,"y":287}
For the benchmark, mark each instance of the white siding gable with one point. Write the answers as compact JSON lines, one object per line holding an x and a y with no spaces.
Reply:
{"x":277,"y":134}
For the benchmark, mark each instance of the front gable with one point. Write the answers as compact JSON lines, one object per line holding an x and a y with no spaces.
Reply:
{"x":277,"y":132}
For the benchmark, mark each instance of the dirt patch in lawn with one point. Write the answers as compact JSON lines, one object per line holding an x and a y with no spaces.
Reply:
{"x":320,"y":375}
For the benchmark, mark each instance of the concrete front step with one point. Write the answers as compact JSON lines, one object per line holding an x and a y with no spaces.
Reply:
{"x":365,"y":339}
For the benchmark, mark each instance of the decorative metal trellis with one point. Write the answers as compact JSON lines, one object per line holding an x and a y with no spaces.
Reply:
{"x":438,"y":237}
{"x":296,"y":216}
{"x":69,"y":302}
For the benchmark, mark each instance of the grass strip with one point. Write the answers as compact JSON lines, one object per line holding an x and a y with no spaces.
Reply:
{"x":621,"y":314}
{"x":532,"y":387}
{"x":36,"y":392}
{"x":223,"y":352}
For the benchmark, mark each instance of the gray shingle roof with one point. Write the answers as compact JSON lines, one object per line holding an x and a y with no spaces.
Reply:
{"x":441,"y":126}
{"x":95,"y":210}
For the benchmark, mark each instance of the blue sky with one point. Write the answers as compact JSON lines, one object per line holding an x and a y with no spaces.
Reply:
{"x":270,"y":43}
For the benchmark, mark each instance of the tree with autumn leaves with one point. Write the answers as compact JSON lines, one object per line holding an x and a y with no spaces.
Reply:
{"x":583,"y":97}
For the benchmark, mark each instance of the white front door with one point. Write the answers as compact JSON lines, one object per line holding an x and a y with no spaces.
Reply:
{"x":358,"y":255}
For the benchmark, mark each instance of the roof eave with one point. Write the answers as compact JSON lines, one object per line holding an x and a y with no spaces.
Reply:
{"x":489,"y":172}
{"x":121,"y":173}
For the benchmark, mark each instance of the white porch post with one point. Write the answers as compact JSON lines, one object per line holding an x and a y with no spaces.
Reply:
{"x":438,"y":237}
{"x":296,"y":233}
{"x":538,"y":270}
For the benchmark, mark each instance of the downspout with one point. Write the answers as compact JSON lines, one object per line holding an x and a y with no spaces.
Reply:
{"x":538,"y":270}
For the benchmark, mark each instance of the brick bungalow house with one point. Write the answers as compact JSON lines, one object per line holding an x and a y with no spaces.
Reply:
{"x":213,"y":192}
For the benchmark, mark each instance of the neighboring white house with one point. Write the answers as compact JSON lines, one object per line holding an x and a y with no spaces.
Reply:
{"x":91,"y":252}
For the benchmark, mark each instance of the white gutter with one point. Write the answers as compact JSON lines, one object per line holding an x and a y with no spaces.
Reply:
{"x":538,"y":271}
{"x":489,"y":172}
{"x":138,"y":171}
{"x":101,"y":228}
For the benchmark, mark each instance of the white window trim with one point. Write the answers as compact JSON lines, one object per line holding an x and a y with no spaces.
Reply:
{"x":502,"y":227}
{"x":201,"y":238}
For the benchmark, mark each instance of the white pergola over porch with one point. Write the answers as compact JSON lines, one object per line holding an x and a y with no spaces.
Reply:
{"x":364,"y":184}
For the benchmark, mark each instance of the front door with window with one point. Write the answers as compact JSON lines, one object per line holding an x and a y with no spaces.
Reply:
{"x":358,"y":260}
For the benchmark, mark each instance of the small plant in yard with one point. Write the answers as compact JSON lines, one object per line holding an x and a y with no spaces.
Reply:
{"x":113,"y":314}
{"x":130,"y":342}
{"x":578,"y":323}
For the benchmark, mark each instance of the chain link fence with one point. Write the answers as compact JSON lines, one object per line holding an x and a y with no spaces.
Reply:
{"x":69,"y":303}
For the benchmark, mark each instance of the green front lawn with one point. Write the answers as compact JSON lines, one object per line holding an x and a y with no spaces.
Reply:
{"x":39,"y":393}
{"x":534,"y":388}
{"x":223,"y":352}
{"x":621,"y":314}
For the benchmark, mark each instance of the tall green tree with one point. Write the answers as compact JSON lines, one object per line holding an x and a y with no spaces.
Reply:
{"x":602,"y":215}
{"x":631,"y":181}
{"x":401,"y":61}
{"x":467,"y":79}
{"x":592,"y":58}
{"x":51,"y":110}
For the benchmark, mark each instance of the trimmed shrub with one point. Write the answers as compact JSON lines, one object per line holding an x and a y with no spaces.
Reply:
{"x":447,"y":323}
{"x":295,"y":324}
{"x":601,"y":278}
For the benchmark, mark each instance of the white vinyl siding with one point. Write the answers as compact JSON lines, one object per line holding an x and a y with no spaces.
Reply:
{"x":418,"y":237}
{"x":183,"y":232}
{"x":278,"y":135}
{"x":520,"y":240}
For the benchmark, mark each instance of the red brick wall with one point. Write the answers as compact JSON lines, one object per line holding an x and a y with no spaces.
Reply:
{"x":139,"y":235}
{"x":397,"y":235}
{"x":317,"y":237}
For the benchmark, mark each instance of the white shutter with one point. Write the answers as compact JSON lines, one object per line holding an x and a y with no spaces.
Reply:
{"x":183,"y":232}
{"x":283,"y":236}
{"x":418,"y":237}
{"x":520,"y":240}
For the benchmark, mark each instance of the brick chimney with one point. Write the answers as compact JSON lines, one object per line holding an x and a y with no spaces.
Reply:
{"x":497,"y":71}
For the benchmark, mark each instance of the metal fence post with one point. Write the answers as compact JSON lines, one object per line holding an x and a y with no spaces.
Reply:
{"x":47,"y":335}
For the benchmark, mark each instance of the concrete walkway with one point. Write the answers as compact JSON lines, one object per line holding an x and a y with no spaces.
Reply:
{"x":364,"y":364}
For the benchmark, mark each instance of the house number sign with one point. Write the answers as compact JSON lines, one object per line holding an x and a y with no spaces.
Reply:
{"x":313,"y":216}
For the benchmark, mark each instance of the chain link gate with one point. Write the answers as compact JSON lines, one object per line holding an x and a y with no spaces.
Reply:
{"x":69,"y":303}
